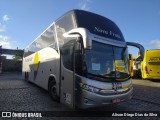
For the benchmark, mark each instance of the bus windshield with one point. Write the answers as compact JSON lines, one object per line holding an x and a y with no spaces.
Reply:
{"x":106,"y":62}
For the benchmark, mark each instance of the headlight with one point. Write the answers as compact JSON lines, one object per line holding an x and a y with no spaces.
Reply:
{"x":89,"y":88}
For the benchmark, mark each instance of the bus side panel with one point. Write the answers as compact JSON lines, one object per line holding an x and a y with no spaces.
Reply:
{"x":41,"y":65}
{"x":27,"y":67}
{"x":48,"y":64}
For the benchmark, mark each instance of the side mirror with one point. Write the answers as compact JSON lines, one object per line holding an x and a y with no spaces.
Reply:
{"x":66,"y":35}
{"x":139,"y":46}
{"x":81,"y":32}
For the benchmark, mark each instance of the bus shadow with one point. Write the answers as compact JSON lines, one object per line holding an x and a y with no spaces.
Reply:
{"x":157,"y":81}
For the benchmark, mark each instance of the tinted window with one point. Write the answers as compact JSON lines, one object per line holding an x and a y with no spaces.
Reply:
{"x":100,"y":60}
{"x":67,"y":55}
{"x":45,"y":40}
{"x":64,"y":24}
{"x":79,"y":57}
{"x":121,"y":60}
{"x":106,"y":62}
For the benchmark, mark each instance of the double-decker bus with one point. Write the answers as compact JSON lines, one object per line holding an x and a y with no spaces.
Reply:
{"x":150,"y":66}
{"x":75,"y":60}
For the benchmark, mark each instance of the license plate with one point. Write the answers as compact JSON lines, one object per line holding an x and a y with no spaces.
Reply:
{"x":116,"y":100}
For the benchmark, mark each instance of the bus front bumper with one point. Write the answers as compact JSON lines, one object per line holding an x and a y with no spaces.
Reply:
{"x":87,"y":99}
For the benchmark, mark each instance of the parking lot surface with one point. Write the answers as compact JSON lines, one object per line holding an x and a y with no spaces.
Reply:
{"x":19,"y":95}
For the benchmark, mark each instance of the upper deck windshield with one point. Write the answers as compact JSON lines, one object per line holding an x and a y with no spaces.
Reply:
{"x":106,"y":62}
{"x":98,"y":25}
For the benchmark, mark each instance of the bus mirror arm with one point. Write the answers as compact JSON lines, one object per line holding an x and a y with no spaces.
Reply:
{"x":139,"y":46}
{"x":81,"y":32}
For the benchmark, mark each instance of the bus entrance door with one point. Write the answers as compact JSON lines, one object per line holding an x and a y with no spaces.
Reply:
{"x":67,"y":88}
{"x":67,"y":82}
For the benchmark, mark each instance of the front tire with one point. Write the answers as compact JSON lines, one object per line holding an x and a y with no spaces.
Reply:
{"x":53,"y":91}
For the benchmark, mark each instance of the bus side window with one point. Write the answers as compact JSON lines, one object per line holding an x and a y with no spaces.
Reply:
{"x":49,"y":38}
{"x":67,"y":55}
{"x":78,"y":58}
{"x":54,"y":46}
{"x":62,"y":25}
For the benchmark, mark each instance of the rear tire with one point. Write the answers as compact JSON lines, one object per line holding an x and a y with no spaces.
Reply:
{"x":52,"y":90}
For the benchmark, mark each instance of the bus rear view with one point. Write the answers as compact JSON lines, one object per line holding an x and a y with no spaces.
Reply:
{"x":150,"y":66}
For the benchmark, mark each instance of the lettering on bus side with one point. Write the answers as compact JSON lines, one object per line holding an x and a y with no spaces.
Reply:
{"x":29,"y":59}
{"x":154,"y":59}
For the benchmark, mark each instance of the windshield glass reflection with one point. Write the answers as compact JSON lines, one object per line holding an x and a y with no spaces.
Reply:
{"x":106,"y":62}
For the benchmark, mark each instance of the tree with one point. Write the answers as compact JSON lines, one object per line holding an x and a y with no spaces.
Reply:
{"x":16,"y":57}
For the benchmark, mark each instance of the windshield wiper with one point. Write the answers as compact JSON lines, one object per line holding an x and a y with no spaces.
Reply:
{"x":100,"y":76}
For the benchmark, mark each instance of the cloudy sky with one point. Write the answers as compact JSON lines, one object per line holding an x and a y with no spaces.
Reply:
{"x":21,"y":21}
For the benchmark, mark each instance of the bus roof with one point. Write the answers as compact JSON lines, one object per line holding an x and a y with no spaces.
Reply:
{"x":153,"y":50}
{"x":96,"y":24}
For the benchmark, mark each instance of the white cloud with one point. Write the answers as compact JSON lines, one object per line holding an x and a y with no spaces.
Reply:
{"x":84,"y":4}
{"x":5,"y":18}
{"x":155,"y":43}
{"x":5,"y":44}
{"x":4,"y":41}
{"x":4,"y":38}
{"x":2,"y":27}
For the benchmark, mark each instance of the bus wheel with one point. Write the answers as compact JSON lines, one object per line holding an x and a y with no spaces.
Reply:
{"x":53,"y":91}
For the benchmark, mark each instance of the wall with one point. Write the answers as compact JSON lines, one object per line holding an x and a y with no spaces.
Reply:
{"x":11,"y":65}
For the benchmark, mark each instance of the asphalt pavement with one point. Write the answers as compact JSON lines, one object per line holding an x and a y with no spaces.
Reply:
{"x":21,"y":96}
